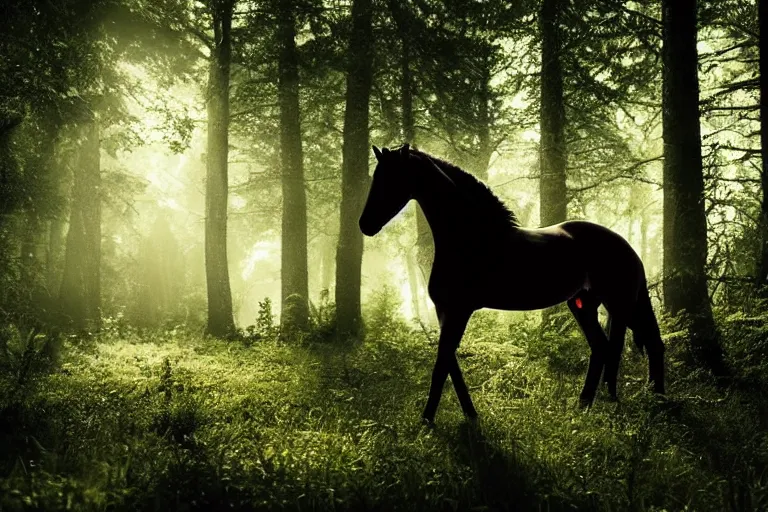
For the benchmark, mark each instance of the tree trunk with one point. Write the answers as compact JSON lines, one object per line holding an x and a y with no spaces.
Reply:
{"x":644,"y":249}
{"x":762,"y":17}
{"x":220,"y":319}
{"x":53,"y":254}
{"x":354,"y":172}
{"x":425,"y":245}
{"x":406,"y":78}
{"x":685,"y":223}
{"x":160,"y":277}
{"x":295,"y":287}
{"x":327,"y":265}
{"x":552,"y":156}
{"x":484,"y":152}
{"x":80,"y":293}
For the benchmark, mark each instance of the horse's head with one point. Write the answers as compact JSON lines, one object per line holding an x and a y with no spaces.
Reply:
{"x":390,"y":189}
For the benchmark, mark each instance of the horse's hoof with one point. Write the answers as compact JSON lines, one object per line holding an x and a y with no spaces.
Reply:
{"x":585,"y":403}
{"x":427,"y":422}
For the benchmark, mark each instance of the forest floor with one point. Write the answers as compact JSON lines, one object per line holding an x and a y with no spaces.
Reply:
{"x":174,"y":421}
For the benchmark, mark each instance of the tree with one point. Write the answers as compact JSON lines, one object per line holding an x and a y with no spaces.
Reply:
{"x":685,"y":223}
{"x":49,"y":57}
{"x":354,"y":170}
{"x":159,"y":279}
{"x":552,"y":152}
{"x":425,"y":249}
{"x":295,"y":288}
{"x":80,"y":293}
{"x":220,"y":319}
{"x":762,"y":16}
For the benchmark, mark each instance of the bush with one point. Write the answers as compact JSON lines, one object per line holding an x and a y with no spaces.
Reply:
{"x":746,"y":345}
{"x":25,"y":357}
{"x":264,"y":328}
{"x":322,"y":319}
{"x":382,"y":314}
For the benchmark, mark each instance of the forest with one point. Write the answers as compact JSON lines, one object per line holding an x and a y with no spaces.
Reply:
{"x":192,"y":319}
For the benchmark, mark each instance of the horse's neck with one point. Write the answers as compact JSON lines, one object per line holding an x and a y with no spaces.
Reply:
{"x":452,"y":222}
{"x":440,"y":219}
{"x":441,"y":206}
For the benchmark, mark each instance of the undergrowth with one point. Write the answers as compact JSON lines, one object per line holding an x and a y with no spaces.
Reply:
{"x":174,"y":421}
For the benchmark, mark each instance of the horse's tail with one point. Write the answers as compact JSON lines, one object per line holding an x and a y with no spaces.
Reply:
{"x":647,"y":337}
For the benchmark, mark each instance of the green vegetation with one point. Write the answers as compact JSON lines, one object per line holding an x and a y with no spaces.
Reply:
{"x":190,"y":318}
{"x":173,"y":421}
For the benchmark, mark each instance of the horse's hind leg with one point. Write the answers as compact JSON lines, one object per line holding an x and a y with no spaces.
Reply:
{"x":617,"y":331}
{"x":584,"y":308}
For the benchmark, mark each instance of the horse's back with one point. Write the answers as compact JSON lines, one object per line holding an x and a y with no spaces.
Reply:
{"x":599,"y":240}
{"x":589,"y":239}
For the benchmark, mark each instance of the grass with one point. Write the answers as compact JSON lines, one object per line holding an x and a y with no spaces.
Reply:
{"x":172,"y":421}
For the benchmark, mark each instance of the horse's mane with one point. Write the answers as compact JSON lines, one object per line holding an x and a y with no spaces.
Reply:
{"x":486,"y":204}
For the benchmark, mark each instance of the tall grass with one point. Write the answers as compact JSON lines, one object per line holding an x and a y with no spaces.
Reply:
{"x":173,"y":421}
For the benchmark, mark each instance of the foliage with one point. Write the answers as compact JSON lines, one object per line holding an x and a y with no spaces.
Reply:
{"x":26,"y":357}
{"x":265,"y":327}
{"x":150,"y":415}
{"x":747,"y":349}
{"x":322,"y":319}
{"x":265,"y":323}
{"x":382,"y":313}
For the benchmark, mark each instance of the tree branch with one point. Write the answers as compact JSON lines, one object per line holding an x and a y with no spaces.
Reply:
{"x":623,"y":174}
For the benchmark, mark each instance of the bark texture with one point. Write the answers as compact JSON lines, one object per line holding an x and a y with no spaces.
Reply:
{"x":294,"y":273}
{"x":354,"y":172}
{"x":484,"y":121}
{"x":685,"y":223}
{"x":552,"y":152}
{"x":220,"y":319}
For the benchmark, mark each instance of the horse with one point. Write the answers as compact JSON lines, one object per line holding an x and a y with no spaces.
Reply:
{"x":484,"y":258}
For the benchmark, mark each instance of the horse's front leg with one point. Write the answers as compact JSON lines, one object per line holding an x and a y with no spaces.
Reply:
{"x":452,"y":325}
{"x":462,"y":392}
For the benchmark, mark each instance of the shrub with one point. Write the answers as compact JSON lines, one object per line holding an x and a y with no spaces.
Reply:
{"x":264,"y":328}
{"x":25,"y":357}
{"x":322,"y":319}
{"x":382,"y":314}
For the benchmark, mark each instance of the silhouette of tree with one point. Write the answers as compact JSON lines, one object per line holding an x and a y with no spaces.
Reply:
{"x":685,"y":225}
{"x":354,"y":174}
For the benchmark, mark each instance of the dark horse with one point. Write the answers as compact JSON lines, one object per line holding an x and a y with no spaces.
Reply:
{"x":485,"y":259}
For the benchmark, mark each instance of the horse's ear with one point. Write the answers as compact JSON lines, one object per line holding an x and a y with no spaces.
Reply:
{"x":405,"y":149}
{"x":377,"y":152}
